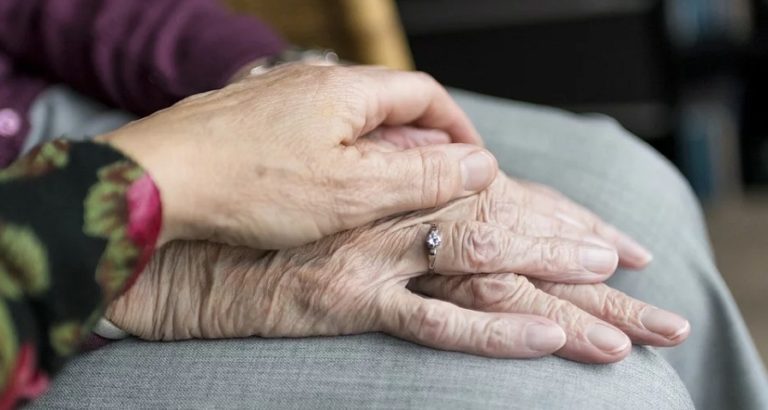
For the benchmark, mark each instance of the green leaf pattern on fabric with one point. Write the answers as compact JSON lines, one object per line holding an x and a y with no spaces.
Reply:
{"x":29,"y":302}
{"x":8,"y":344}
{"x":40,"y":161}
{"x":23,"y":262}
{"x":106,"y":216}
{"x":65,"y":337}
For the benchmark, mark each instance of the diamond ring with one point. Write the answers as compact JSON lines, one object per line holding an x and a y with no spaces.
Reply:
{"x":433,"y":242}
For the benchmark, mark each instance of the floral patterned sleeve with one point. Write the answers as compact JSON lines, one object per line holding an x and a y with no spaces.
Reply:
{"x":78,"y":222}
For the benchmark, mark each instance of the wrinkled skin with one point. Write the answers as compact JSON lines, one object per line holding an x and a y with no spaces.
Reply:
{"x":270,"y":161}
{"x":525,"y":207}
{"x":355,"y":281}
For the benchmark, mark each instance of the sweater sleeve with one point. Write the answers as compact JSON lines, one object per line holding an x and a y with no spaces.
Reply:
{"x":78,"y":223}
{"x":139,"y":55}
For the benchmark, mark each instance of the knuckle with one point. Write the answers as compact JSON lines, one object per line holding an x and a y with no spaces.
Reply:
{"x":436,"y":188}
{"x":481,"y":248}
{"x":488,"y":292}
{"x":524,"y":294}
{"x":558,"y":310}
{"x":430,"y":322}
{"x":340,"y":94}
{"x":555,"y":255}
{"x":352,"y":105}
{"x":500,"y":292}
{"x":496,"y":335}
{"x":619,"y":309}
{"x":487,"y":209}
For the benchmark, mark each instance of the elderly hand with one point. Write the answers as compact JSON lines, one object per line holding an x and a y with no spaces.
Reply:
{"x":525,"y":207}
{"x":596,"y":318}
{"x":583,"y":310}
{"x":353,"y":282}
{"x":591,"y":314}
{"x":270,"y":162}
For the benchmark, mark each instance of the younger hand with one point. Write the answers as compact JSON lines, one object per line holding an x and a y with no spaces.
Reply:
{"x":270,"y":162}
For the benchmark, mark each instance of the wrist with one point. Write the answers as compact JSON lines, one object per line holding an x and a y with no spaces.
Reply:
{"x":290,"y":55}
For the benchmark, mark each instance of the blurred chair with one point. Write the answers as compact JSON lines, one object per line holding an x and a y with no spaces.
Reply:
{"x":364,"y":31}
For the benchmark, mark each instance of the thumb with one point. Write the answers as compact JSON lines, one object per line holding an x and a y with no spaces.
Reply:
{"x":428,"y":176}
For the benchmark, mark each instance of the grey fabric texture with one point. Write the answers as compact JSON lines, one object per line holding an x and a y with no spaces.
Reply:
{"x":591,"y":159}
{"x":366,"y":371}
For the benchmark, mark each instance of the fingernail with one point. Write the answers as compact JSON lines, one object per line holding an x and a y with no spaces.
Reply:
{"x":635,"y":251}
{"x":477,"y":170}
{"x":544,"y":338}
{"x":607,"y":338}
{"x":664,"y":323}
{"x":599,"y":260}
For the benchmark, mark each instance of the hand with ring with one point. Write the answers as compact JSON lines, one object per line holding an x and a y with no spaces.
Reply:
{"x":355,"y":282}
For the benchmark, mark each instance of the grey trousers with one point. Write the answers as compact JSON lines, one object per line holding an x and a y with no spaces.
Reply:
{"x":589,"y":158}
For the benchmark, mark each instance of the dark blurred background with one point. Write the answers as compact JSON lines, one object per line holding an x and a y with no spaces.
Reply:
{"x":687,"y":76}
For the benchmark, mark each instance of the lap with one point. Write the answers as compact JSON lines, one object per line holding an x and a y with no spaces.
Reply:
{"x":366,"y":371}
{"x":591,"y":160}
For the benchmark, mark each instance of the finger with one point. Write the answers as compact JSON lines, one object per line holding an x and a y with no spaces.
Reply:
{"x":408,"y":97}
{"x":643,"y":323}
{"x":546,"y":200}
{"x":399,"y":138}
{"x":527,"y":221}
{"x":474,"y":247}
{"x":420,"y":178}
{"x":445,"y":326}
{"x":589,"y":339}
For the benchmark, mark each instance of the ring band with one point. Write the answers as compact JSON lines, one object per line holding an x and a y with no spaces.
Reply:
{"x":433,"y":242}
{"x":108,"y":330}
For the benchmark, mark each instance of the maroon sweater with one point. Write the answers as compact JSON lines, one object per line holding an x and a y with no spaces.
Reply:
{"x":139,"y":55}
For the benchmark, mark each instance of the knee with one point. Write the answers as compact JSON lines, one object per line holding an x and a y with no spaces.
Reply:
{"x":642,"y":380}
{"x":638,"y":174}
{"x":645,"y":380}
{"x":645,"y":195}
{"x":634,"y":156}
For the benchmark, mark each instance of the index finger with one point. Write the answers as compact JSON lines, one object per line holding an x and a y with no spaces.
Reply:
{"x":415,"y":98}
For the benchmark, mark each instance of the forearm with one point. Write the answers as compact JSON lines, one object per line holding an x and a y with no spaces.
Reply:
{"x":140,"y":55}
{"x":77,"y":224}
